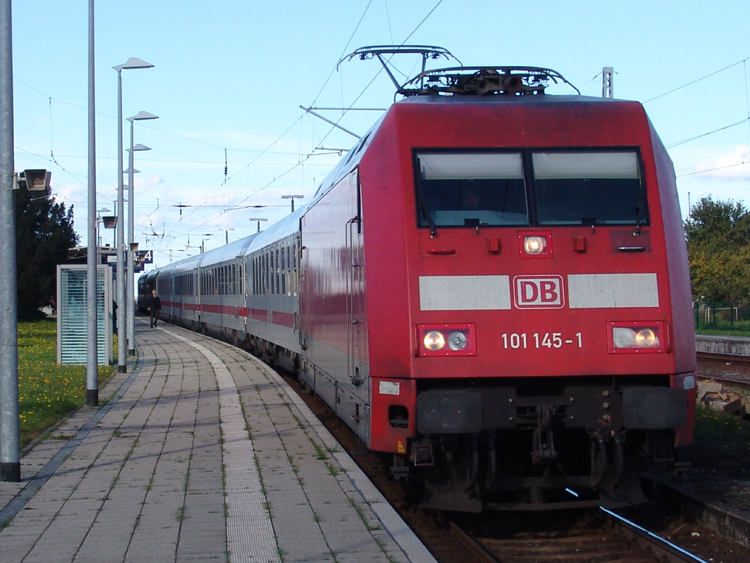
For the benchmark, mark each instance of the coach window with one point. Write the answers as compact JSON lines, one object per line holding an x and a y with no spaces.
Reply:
{"x":256,"y":274}
{"x":589,"y":188}
{"x":275,"y":281}
{"x":269,"y":273}
{"x":471,"y":189}
{"x":289,"y":269}
{"x":263,"y":273}
{"x":274,"y":271}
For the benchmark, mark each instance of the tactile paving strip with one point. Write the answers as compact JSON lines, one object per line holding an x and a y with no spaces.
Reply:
{"x":250,"y":535}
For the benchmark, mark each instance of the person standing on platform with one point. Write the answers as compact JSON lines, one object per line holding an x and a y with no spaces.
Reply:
{"x":154,"y":307}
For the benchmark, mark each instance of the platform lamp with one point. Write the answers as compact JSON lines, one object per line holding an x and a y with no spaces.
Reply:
{"x":203,"y":241}
{"x":109,"y":222}
{"x":99,"y":220}
{"x":131,"y":63}
{"x":257,"y":219}
{"x":292,"y":197}
{"x":142,"y":115}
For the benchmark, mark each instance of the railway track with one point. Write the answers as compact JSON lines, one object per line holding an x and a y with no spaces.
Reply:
{"x":715,"y":366}
{"x":565,"y":538}
{"x":723,"y":357}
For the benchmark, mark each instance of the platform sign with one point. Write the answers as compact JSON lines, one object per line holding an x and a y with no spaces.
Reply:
{"x":146,"y":256}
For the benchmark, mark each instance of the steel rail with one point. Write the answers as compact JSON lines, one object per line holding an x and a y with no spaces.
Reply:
{"x":722,"y":357}
{"x":663,"y":549}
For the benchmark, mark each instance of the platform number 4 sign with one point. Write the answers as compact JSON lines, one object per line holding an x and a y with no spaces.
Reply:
{"x":146,"y":256}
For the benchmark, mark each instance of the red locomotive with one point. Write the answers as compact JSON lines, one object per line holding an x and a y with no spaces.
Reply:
{"x":491,"y":289}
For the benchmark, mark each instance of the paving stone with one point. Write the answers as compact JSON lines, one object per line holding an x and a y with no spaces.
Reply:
{"x":170,"y":472}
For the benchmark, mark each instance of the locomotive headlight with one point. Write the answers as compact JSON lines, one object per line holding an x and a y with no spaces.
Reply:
{"x":623,"y":337}
{"x":457,"y":340}
{"x":434,"y":341}
{"x":446,"y":340}
{"x":534,"y":244}
{"x":634,"y":337}
{"x":646,"y":338}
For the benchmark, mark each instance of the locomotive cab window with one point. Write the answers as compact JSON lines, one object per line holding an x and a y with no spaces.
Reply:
{"x":588,"y":188}
{"x":471,"y":189}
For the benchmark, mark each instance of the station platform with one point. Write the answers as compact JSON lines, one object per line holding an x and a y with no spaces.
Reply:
{"x":199,"y":453}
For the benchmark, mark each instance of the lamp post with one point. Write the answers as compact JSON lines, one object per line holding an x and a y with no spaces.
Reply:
{"x":226,"y":231}
{"x":122,"y":365}
{"x":92,"y":254}
{"x":142,"y":115}
{"x":292,"y":197}
{"x":203,"y":241}
{"x":10,"y":451}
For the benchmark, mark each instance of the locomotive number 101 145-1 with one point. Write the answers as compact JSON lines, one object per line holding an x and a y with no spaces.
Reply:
{"x":523,"y":341}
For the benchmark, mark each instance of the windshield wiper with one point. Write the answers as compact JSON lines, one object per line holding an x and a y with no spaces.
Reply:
{"x":426,"y":214}
{"x":423,"y":204}
{"x":638,"y":206}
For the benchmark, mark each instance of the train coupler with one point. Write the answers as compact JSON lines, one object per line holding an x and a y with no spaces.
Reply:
{"x":543,"y":450}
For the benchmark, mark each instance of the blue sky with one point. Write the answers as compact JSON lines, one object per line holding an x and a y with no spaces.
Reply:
{"x":229,"y":78}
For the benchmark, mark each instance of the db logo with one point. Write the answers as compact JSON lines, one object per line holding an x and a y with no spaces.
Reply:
{"x":538,"y":292}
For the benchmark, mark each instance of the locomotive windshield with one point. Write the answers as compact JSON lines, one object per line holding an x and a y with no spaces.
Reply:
{"x":589,"y":188}
{"x":471,"y":189}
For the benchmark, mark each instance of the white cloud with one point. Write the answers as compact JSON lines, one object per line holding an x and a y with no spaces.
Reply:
{"x":731,"y":166}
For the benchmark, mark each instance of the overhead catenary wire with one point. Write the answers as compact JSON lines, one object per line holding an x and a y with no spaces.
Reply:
{"x":335,"y":125}
{"x":696,"y":81}
{"x":305,"y":160}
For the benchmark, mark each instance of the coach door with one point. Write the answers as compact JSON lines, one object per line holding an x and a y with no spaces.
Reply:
{"x":355,"y":283}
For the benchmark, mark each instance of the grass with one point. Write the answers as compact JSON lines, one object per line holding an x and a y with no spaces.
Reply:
{"x":722,"y":331}
{"x":47,"y":391}
{"x":719,"y":458}
{"x":724,"y":439}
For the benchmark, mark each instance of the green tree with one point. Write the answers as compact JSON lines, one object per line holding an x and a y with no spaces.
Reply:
{"x":718,"y":240}
{"x":44,"y":233}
